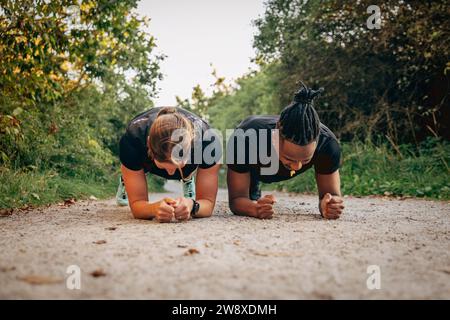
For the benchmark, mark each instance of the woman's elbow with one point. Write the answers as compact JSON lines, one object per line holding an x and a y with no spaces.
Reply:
{"x":136,"y":213}
{"x":205,"y":214}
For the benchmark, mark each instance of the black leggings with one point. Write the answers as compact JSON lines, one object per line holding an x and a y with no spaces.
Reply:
{"x":255,"y":188}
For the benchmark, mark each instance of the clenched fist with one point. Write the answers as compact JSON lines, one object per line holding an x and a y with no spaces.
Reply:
{"x":264,"y":207}
{"x":165,"y":210}
{"x":331,"y":207}
{"x":183,"y":208}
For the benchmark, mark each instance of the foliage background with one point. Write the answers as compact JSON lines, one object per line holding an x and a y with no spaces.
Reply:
{"x":386,"y":90}
{"x":73,"y":73}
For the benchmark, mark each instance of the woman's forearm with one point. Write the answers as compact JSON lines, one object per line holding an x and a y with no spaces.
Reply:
{"x":142,"y":209}
{"x":206,"y":208}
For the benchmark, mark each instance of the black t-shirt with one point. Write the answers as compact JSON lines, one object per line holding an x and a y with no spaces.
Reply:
{"x":134,"y":151}
{"x":326,"y":158}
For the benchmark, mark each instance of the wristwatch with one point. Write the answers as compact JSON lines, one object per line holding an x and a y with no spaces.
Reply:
{"x":195,"y":208}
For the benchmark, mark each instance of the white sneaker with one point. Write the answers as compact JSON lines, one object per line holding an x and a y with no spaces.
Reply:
{"x":189,"y":188}
{"x":121,"y":195}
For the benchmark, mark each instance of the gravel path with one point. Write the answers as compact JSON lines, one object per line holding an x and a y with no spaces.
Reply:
{"x":296,"y":255}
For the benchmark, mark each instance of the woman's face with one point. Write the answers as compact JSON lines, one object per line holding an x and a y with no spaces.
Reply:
{"x":170,"y":167}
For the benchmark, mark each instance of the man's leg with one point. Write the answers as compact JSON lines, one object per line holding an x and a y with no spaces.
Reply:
{"x":255,"y":188}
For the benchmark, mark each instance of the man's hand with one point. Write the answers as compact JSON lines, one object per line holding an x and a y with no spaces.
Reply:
{"x":183,"y":208}
{"x":165,"y":210}
{"x":331,"y":207}
{"x":264,"y":207}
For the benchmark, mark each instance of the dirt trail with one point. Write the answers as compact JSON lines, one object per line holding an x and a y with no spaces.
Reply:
{"x":295,"y":255}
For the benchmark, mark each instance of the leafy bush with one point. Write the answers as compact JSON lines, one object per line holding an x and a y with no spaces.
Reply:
{"x":392,"y":81}
{"x":72,"y":74}
{"x":368,"y":169}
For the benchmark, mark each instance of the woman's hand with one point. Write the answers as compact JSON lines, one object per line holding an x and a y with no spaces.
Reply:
{"x":183,"y":208}
{"x":165,"y":210}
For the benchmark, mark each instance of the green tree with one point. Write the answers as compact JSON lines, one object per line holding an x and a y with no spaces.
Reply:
{"x":72,"y":73}
{"x":391,"y":81}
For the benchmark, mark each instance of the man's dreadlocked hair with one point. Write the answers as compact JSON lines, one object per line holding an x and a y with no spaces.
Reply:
{"x":299,"y":122}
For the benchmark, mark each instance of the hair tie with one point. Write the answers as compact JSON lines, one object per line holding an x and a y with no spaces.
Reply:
{"x":306,"y":95}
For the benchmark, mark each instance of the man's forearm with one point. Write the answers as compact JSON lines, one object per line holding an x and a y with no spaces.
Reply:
{"x":243,"y":206}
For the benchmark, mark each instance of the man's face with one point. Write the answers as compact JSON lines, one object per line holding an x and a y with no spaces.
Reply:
{"x":293,"y":156}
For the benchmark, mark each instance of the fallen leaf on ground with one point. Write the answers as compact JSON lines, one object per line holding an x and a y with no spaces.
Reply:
{"x":322,"y":295}
{"x":6,"y":269}
{"x":100,"y":242}
{"x":93,"y":198}
{"x":69,"y":202}
{"x":262,"y":254}
{"x":273,"y":253}
{"x":98,"y":273}
{"x":6,"y":212}
{"x":38,"y":280}
{"x":191,"y":251}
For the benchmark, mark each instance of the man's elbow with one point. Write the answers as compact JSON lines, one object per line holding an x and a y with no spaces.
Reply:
{"x":233,"y":207}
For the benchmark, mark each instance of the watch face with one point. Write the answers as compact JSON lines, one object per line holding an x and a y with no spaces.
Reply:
{"x":195,"y":208}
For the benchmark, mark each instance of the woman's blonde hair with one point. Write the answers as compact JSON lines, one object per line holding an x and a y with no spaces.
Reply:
{"x":160,"y":143}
